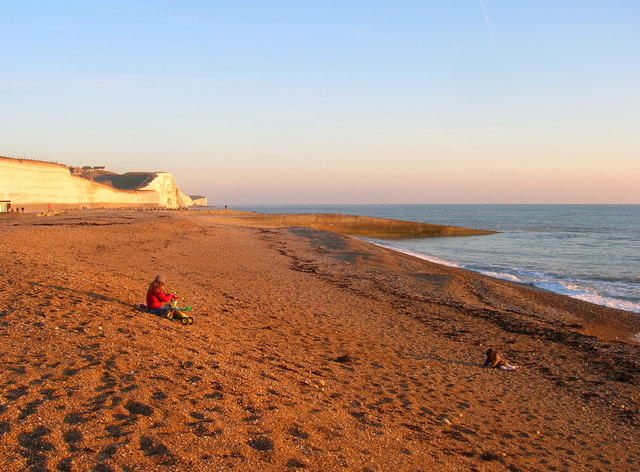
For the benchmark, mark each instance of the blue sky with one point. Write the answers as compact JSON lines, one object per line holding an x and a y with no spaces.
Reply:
{"x":253,"y":102}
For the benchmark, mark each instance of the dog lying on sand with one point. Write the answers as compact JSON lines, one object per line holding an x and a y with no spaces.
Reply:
{"x":496,"y":361}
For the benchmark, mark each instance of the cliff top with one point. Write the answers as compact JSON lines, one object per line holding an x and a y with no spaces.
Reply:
{"x":128,"y":181}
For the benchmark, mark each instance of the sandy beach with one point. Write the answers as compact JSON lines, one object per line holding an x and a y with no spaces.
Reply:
{"x":310,"y":351}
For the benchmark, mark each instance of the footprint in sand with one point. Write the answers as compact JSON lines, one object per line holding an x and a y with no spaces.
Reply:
{"x":137,"y":408}
{"x":261,"y":443}
{"x":76,"y":418}
{"x":107,"y":452}
{"x":16,"y":393}
{"x":29,"y":409}
{"x":5,"y":427}
{"x":72,"y":437}
{"x":35,"y":446}
{"x":153,"y":447}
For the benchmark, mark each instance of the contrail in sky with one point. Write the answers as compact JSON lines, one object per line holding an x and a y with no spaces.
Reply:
{"x":489,"y":26}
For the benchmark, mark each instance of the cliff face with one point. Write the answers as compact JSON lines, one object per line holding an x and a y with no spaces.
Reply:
{"x":168,"y":192}
{"x":38,"y":186}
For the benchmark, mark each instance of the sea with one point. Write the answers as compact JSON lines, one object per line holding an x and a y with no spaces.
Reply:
{"x":588,"y":252}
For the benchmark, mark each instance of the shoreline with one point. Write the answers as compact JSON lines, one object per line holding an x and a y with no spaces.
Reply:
{"x":310,"y":351}
{"x":602,"y":328}
{"x":384,"y":229}
{"x":446,"y":263}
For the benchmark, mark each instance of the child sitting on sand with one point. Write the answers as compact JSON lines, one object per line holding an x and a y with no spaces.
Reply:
{"x":495,"y":360}
{"x":157,"y":297}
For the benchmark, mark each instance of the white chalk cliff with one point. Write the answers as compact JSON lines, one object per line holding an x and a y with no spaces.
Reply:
{"x":168,"y":192}
{"x":37,"y":186}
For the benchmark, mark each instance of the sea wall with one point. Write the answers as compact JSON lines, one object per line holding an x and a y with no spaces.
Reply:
{"x":345,"y":224}
{"x":38,"y":186}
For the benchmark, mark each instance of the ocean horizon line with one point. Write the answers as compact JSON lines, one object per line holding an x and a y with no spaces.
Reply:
{"x":412,"y":204}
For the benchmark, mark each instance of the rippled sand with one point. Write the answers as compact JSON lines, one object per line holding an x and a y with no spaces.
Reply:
{"x":310,"y":351}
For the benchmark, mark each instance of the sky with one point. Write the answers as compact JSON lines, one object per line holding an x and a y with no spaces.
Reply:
{"x":329,"y":102}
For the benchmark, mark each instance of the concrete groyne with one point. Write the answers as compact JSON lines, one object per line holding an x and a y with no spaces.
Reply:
{"x":346,"y":224}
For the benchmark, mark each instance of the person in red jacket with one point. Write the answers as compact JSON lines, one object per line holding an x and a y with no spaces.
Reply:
{"x":157,"y":297}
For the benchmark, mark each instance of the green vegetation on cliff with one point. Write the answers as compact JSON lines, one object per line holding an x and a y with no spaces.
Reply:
{"x":128,"y":181}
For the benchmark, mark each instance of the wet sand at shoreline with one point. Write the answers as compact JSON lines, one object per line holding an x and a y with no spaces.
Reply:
{"x":310,"y":351}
